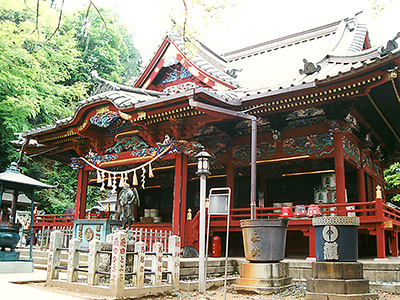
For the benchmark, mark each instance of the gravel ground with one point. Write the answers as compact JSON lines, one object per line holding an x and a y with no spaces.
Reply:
{"x":297,"y":291}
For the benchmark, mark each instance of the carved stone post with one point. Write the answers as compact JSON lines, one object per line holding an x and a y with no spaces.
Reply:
{"x":174,"y":260}
{"x":118,"y":261}
{"x":93,"y":260}
{"x":73,"y":260}
{"x":156,"y":264}
{"x":138,"y":264}
{"x":56,"y":242}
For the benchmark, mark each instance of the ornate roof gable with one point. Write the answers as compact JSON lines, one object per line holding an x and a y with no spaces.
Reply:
{"x":172,"y":70}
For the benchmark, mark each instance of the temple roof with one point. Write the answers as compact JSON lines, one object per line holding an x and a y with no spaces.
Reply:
{"x":293,"y":63}
{"x":280,"y":60}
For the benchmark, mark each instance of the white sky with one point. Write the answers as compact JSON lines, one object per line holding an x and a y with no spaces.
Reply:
{"x":249,"y":21}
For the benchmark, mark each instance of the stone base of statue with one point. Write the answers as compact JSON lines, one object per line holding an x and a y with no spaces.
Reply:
{"x":263,"y":278}
{"x":338,"y":280}
{"x":88,"y":229}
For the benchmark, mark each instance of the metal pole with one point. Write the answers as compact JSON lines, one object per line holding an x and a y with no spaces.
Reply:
{"x":1,"y":195}
{"x":253,"y":168}
{"x":207,"y":242}
{"x":226,"y":250}
{"x":202,"y":234}
{"x":31,"y":231}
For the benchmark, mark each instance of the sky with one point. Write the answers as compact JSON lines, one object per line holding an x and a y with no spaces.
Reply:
{"x":248,"y":22}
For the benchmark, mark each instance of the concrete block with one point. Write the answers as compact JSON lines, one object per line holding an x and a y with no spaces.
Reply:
{"x":259,"y":282}
{"x":368,"y":296}
{"x":311,"y":285}
{"x":385,"y":276}
{"x":337,"y":270}
{"x":305,"y":273}
{"x":330,"y":286}
{"x":16,"y":267}
{"x":357,"y":286}
{"x":264,"y":270}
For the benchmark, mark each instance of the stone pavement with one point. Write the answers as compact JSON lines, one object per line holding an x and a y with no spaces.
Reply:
{"x":10,"y":290}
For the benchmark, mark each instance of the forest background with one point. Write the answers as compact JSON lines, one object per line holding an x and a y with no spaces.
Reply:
{"x":45,"y":67}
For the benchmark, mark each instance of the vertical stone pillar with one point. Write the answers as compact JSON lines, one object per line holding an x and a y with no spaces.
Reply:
{"x":56,"y":242}
{"x":174,"y":260}
{"x":156,"y":263}
{"x":93,"y":261}
{"x":73,"y":260}
{"x":118,"y":259}
{"x":138,"y":264}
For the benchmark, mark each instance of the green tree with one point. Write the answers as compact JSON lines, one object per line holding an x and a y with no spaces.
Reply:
{"x":45,"y":71}
{"x":392,"y":178}
{"x":34,"y":75}
{"x":104,"y":44}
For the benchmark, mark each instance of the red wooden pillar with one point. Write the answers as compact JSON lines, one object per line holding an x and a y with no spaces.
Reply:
{"x":81,"y":193}
{"x":339,"y":172}
{"x":230,"y":175}
{"x":310,"y":233}
{"x":380,"y":229}
{"x":179,"y":204}
{"x":394,"y":239}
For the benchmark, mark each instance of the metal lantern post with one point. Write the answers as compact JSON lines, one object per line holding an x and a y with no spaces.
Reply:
{"x":203,"y":170}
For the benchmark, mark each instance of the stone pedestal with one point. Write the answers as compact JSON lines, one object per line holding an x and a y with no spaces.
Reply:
{"x":338,"y":280}
{"x":94,"y":229}
{"x":263,"y":278}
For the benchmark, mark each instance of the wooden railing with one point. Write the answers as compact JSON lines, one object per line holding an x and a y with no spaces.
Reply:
{"x":64,"y":219}
{"x":368,"y":212}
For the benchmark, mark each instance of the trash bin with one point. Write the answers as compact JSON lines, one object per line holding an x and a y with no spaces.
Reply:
{"x":336,"y":238}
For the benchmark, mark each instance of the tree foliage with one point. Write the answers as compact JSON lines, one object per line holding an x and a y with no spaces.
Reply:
{"x":34,"y":76}
{"x":104,"y":45}
{"x":43,"y":76}
{"x":392,"y":178}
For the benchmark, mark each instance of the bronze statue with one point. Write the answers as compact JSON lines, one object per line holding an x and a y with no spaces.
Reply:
{"x":125,"y":206}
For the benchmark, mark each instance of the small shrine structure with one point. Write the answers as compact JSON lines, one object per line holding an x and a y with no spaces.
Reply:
{"x":326,"y":105}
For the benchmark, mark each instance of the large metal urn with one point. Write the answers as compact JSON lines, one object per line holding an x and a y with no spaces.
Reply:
{"x":264,"y":239}
{"x":9,"y":237}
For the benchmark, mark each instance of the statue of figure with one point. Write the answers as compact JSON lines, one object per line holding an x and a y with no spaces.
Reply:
{"x":127,"y":199}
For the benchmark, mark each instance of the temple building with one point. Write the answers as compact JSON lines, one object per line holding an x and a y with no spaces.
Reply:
{"x":327,"y":109}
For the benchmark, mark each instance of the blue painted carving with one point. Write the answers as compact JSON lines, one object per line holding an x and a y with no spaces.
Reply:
{"x":351,"y":151}
{"x":172,"y":77}
{"x":128,"y":144}
{"x":317,"y":144}
{"x":104,"y":119}
{"x":184,"y":73}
